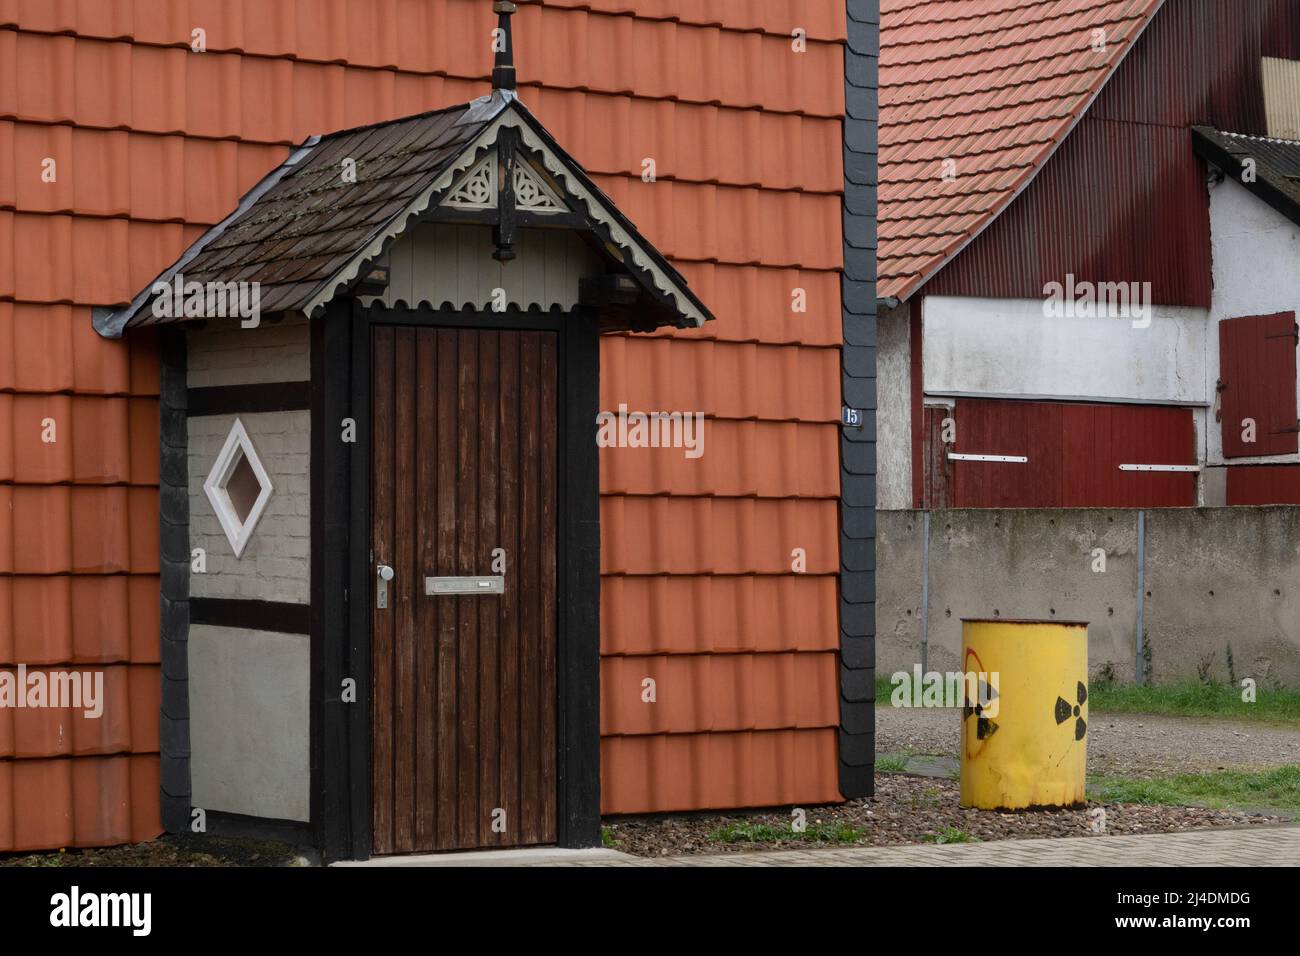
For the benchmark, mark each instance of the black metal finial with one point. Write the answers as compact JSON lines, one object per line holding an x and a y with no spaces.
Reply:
{"x":503,"y":70}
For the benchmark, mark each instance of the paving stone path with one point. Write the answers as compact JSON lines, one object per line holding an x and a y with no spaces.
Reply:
{"x":1254,"y":846}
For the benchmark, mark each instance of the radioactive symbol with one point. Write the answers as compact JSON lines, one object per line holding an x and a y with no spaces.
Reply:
{"x":984,"y":728}
{"x":1065,"y":710}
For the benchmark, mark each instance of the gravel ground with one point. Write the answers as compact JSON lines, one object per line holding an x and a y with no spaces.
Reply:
{"x":1131,"y":745}
{"x":909,"y":809}
{"x":168,"y":851}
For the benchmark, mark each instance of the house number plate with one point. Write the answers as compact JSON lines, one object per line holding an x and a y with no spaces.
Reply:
{"x":489,"y":585}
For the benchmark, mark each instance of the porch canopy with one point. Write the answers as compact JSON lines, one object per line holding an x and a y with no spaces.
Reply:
{"x":319,"y":224}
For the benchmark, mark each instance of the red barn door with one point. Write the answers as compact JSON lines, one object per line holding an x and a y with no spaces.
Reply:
{"x":1076,"y":455}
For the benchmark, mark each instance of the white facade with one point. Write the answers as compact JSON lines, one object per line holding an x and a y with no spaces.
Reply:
{"x":1009,"y":348}
{"x":1256,"y":272}
{"x":250,"y":723}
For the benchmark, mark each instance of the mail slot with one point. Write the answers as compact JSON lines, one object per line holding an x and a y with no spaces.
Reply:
{"x":495,"y":584}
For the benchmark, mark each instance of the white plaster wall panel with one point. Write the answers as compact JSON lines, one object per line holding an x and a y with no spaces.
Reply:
{"x":1009,"y":348}
{"x":249,"y":722}
{"x":894,"y":409}
{"x":227,"y":354}
{"x":276,"y":564}
{"x":1256,"y":254}
{"x":436,"y":264}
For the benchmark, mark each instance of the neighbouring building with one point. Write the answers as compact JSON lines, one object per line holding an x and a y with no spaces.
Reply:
{"x":1089,"y":285}
{"x":310,"y":318}
{"x":1075,"y":164}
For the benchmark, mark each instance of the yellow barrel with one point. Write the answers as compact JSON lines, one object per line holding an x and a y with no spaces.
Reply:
{"x":1024,"y":730}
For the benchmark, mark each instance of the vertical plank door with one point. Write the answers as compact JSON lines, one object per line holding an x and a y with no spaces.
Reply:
{"x":463,"y":690}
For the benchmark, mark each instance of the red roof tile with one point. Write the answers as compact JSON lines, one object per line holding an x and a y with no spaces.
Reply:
{"x":663,"y":773}
{"x":719,"y":693}
{"x":78,"y":619}
{"x":738,"y":458}
{"x":116,"y":529}
{"x":724,"y":614}
{"x":754,"y":304}
{"x":722,"y":380}
{"x":154,"y":144}
{"x":994,"y":86}
{"x":662,"y":535}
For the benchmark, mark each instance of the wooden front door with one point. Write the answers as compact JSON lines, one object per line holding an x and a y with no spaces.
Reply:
{"x":463,"y":729}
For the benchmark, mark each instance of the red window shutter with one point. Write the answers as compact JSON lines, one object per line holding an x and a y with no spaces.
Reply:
{"x":1257,"y":380}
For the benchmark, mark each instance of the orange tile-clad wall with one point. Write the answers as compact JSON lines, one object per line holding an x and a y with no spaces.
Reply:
{"x":154,"y":142}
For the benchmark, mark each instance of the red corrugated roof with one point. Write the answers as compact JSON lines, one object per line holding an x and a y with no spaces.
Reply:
{"x":995,"y":86}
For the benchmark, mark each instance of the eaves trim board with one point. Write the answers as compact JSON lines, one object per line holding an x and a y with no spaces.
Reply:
{"x":499,"y":110}
{"x":918,"y":281}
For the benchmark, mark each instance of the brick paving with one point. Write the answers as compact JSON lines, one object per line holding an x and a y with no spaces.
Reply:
{"x":1254,"y":846}
{"x":1244,"y":846}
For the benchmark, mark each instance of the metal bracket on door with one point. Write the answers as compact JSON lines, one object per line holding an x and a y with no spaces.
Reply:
{"x":1005,"y":459}
{"x":495,"y":584}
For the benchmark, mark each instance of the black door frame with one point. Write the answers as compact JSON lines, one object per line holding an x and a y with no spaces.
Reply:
{"x":341,"y":795}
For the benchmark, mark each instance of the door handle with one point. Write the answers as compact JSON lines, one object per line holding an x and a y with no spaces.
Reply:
{"x":384,"y":574}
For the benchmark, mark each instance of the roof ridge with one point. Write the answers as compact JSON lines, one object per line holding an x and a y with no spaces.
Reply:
{"x":461,"y":107}
{"x":1259,"y":139}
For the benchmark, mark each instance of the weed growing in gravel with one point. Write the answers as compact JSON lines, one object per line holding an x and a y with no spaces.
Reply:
{"x":766,"y":833}
{"x":929,"y":797}
{"x":892,"y":763}
{"x":949,"y":835}
{"x":607,"y":837}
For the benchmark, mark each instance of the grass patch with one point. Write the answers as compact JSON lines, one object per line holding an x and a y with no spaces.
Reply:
{"x":948,"y":835}
{"x":766,"y":833}
{"x":607,"y":838}
{"x":1273,"y":705}
{"x":1196,"y":699}
{"x":892,"y":763}
{"x":1276,"y":789}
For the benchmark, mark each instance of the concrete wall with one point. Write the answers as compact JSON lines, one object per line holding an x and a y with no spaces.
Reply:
{"x":894,"y":409}
{"x":249,"y":722}
{"x":1217,"y":578}
{"x":276,"y":563}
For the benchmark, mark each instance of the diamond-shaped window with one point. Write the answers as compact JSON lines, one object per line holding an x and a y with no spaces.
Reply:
{"x":238,"y":488}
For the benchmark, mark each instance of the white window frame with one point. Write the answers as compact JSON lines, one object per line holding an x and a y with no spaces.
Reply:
{"x":238,"y":533}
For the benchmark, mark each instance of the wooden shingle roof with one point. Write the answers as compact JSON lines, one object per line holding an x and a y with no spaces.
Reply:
{"x":311,"y":227}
